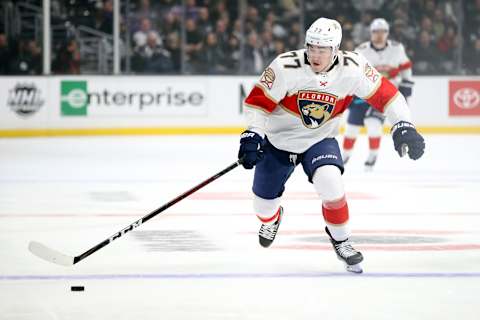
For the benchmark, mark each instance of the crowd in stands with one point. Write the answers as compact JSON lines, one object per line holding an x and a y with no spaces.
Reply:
{"x":224,"y":37}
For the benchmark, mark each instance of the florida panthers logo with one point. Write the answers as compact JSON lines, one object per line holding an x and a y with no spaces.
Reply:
{"x":315,"y":108}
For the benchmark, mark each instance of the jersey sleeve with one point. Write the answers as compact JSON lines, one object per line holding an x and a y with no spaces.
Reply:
{"x":372,"y":87}
{"x":269,"y":89}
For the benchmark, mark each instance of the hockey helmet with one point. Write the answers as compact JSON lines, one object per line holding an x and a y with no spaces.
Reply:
{"x":379,"y":24}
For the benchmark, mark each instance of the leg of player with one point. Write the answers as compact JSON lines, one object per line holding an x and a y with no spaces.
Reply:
{"x":329,"y":185}
{"x":351,"y":133}
{"x":269,"y":212}
{"x":374,"y":131}
{"x":269,"y":180}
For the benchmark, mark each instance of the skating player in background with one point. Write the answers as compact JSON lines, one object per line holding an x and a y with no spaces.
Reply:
{"x":390,"y":59}
{"x":293,"y":116}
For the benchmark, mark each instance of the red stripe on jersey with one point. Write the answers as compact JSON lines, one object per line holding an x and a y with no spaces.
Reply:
{"x":385,"y":92}
{"x":392,"y":73}
{"x":257,"y":98}
{"x":406,"y":65}
{"x":341,"y":105}
{"x":290,"y":103}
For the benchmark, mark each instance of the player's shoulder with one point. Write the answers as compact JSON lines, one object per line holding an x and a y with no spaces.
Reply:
{"x":363,"y":46}
{"x":294,"y":54}
{"x":396,"y":45}
{"x":351,"y":59}
{"x":290,"y":62}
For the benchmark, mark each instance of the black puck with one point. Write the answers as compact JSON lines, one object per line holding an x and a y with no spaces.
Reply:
{"x":77,"y":288}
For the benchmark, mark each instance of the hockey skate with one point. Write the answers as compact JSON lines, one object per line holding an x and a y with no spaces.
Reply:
{"x":347,"y":254}
{"x":267,"y":232}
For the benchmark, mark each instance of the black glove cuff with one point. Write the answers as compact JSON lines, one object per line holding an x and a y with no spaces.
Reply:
{"x":401,"y":125}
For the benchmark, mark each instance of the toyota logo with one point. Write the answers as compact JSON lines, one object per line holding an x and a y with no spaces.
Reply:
{"x":466,"y":98}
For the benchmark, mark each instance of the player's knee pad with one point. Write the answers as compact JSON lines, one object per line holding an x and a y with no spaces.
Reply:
{"x":352,"y":130}
{"x":374,"y":127}
{"x":328,"y":183}
{"x":265,"y":208}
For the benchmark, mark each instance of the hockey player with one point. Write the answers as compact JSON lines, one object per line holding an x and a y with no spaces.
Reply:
{"x":293,"y":115}
{"x":390,"y":59}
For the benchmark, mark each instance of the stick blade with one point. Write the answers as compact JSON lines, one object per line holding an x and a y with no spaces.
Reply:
{"x":50,"y":255}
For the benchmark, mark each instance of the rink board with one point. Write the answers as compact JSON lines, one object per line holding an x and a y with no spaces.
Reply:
{"x":129,"y":105}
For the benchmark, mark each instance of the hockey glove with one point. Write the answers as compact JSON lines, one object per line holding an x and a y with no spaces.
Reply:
{"x":250,"y":149}
{"x":406,"y":138}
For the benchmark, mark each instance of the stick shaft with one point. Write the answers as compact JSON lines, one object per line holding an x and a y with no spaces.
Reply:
{"x":155,"y":212}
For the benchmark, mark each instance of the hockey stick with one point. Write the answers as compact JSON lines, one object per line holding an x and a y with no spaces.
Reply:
{"x":57,"y":257}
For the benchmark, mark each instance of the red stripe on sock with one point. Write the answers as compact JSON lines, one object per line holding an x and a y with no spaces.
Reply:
{"x":348,"y":143}
{"x":374,"y":142}
{"x":335,"y":212}
{"x":272,"y":218}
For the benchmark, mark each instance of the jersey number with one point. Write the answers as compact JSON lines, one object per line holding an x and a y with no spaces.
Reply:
{"x":291,"y":55}
{"x":347,"y":57}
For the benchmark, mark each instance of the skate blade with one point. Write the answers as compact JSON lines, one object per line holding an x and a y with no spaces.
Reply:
{"x":355,"y":268}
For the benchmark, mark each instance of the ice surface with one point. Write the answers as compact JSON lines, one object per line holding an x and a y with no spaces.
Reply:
{"x":416,"y":222}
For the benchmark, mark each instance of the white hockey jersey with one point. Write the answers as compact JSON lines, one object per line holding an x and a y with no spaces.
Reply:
{"x":392,"y":61}
{"x":296,"y":108}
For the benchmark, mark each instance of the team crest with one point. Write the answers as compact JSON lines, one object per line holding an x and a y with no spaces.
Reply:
{"x":315,"y":108}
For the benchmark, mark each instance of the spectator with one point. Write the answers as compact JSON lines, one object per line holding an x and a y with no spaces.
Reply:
{"x":220,"y":11}
{"x":268,"y":47}
{"x":222,"y":34}
{"x":107,"y":17}
{"x":152,"y":58}
{"x":253,"y":22}
{"x":279,"y":47}
{"x":446,"y":46}
{"x":293,"y":40}
{"x":361,"y":29}
{"x":472,"y":62}
{"x":170,"y":23}
{"x":145,"y":10}
{"x":193,"y":45}
{"x":426,"y":56}
{"x":204,"y":24}
{"x":253,"y":59}
{"x":140,"y":37}
{"x":5,"y":55}
{"x":35,"y":56}
{"x":213,"y":57}
{"x":67,"y":60}
{"x":173,"y":46}
{"x":438,"y":23}
{"x":233,"y":54}
{"x":192,"y":11}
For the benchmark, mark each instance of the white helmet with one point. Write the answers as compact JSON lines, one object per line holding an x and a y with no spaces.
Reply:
{"x":379,"y":24}
{"x":324,"y":32}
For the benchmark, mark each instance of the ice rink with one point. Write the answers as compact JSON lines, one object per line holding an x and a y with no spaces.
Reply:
{"x":416,"y":222}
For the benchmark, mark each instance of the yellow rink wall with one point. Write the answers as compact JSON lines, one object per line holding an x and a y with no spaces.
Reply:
{"x":13,"y":133}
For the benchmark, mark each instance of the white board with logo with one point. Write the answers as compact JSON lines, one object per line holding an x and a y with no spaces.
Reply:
{"x":189,"y":101}
{"x":145,"y":101}
{"x":23,"y":102}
